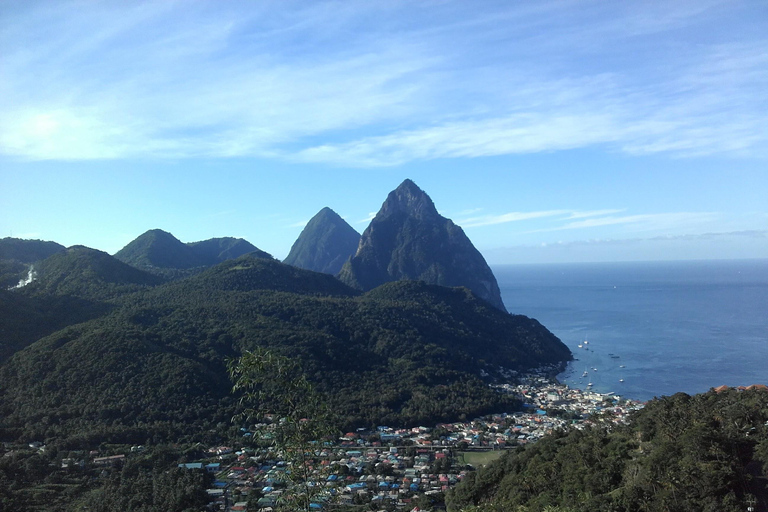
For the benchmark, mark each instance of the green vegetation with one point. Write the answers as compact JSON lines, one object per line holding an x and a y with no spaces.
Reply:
{"x":298,"y":420}
{"x":152,"y":366}
{"x":706,"y":452}
{"x":65,"y":480}
{"x":162,"y":254}
{"x":16,"y":256}
{"x":98,"y":354}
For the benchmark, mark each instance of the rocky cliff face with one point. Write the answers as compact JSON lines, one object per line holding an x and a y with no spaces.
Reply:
{"x":409,"y":239}
{"x":325,"y":244}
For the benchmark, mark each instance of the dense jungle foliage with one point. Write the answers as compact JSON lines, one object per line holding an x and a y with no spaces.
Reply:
{"x":707,"y":452}
{"x":148,"y":362}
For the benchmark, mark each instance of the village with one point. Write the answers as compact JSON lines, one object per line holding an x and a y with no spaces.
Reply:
{"x":391,"y":468}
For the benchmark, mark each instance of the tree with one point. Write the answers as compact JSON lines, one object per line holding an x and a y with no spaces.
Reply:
{"x":293,"y":418}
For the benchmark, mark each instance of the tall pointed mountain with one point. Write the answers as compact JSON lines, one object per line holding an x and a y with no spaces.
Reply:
{"x":325,"y":244}
{"x":408,"y":239}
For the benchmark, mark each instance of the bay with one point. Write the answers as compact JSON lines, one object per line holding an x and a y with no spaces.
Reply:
{"x":661,"y":327}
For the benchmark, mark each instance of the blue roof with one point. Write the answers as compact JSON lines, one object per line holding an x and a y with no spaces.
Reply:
{"x":192,"y":465}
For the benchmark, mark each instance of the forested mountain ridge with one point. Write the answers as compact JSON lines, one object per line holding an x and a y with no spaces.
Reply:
{"x":27,"y":251}
{"x":677,"y":454}
{"x":153,"y":364}
{"x":71,"y":286}
{"x":88,"y":273}
{"x":17,"y":255}
{"x":161,"y":253}
{"x":325,"y":243}
{"x":409,"y":239}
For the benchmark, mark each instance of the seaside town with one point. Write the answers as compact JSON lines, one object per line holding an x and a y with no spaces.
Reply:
{"x":398,"y":468}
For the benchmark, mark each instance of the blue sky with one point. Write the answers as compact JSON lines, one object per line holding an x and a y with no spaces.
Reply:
{"x":550,"y":131}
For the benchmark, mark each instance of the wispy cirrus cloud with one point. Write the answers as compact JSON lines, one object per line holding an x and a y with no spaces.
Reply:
{"x":368,"y":219}
{"x":488,"y":220}
{"x":648,"y":220}
{"x":379,"y":83}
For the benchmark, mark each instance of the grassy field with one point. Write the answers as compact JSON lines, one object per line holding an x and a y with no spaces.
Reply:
{"x":479,"y":458}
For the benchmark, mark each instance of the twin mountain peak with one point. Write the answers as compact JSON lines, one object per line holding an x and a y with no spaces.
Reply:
{"x":407,"y":239}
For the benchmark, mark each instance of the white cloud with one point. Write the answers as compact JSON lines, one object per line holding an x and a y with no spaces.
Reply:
{"x":378,"y":83}
{"x":488,"y":220}
{"x":594,"y":213}
{"x":369,"y":218}
{"x":649,"y":222}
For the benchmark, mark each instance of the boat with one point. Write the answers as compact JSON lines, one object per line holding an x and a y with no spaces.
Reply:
{"x":580,"y":346}
{"x":621,"y":380}
{"x":622,"y":366}
{"x":585,"y":373}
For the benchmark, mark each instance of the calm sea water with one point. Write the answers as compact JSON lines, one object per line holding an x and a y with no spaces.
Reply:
{"x":674,"y":326}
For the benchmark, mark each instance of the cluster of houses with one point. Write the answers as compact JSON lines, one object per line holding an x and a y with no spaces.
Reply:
{"x":400,"y":467}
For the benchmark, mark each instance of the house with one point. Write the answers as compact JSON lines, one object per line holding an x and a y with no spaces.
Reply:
{"x":190,"y":465}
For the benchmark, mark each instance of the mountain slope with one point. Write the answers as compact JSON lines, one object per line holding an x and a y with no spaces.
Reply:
{"x":16,"y":256}
{"x":162,"y":254}
{"x":73,"y":286}
{"x":158,"y":249}
{"x":325,"y":244}
{"x":88,"y":273}
{"x":409,"y":239}
{"x":678,"y":453}
{"x":405,"y":353}
{"x":27,"y":251}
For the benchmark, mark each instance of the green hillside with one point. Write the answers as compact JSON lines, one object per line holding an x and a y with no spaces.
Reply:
{"x":678,"y":454}
{"x":154,"y":363}
{"x":16,"y":256}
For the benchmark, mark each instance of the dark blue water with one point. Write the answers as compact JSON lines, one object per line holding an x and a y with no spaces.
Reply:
{"x":675,"y":326}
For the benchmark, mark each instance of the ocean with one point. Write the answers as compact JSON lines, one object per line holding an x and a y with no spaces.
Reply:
{"x":660,"y":327}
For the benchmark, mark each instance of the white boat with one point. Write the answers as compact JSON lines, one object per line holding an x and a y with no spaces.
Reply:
{"x":621,"y":380}
{"x":580,"y":345}
{"x":622,"y":366}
